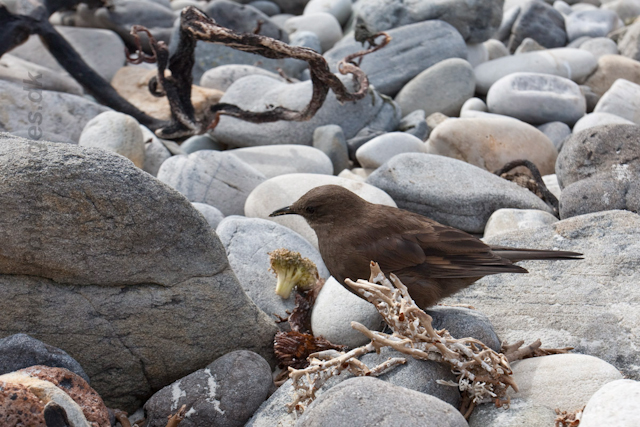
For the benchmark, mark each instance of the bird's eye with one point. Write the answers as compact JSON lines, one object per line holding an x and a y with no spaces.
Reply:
{"x":310,"y":209}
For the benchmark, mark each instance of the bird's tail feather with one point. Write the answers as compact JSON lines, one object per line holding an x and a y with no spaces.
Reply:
{"x":517,"y":254}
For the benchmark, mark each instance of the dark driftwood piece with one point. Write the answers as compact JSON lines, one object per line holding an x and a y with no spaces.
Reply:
{"x":536,"y":185}
{"x":176,"y":85}
{"x":16,"y":29}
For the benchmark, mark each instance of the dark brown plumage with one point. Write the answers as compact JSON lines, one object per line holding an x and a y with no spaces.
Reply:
{"x":431,"y":259}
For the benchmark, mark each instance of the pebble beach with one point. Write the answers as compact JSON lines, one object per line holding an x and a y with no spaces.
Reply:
{"x":135,"y":270}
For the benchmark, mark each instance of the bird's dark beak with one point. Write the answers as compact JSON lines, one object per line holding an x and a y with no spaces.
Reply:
{"x":282,"y":211}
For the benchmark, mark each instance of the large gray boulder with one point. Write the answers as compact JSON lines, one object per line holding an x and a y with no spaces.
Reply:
{"x":102,"y":260}
{"x":450,"y":191}
{"x":592,"y":304}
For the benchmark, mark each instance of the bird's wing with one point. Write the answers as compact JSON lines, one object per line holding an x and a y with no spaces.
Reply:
{"x":434,"y":250}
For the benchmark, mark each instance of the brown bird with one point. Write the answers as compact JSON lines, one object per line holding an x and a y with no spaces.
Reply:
{"x":431,"y":259}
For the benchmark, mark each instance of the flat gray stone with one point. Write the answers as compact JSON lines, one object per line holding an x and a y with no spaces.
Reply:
{"x":115,"y":132}
{"x":417,"y":375}
{"x":200,"y":142}
{"x":441,"y":88}
{"x":365,"y":134}
{"x":225,"y":393}
{"x":599,"y":119}
{"x":474,"y":104}
{"x":450,"y":191}
{"x":616,"y":403}
{"x":464,"y":322}
{"x":505,"y":220}
{"x":341,"y":9}
{"x":372,"y":154}
{"x":150,"y":14}
{"x":592,"y":23}
{"x":16,"y":70}
{"x":519,"y":413}
{"x":509,"y":16}
{"x":92,"y":243}
{"x":211,"y":214}
{"x":223,"y":76}
{"x":563,"y":381}
{"x":539,"y":21}
{"x":557,"y":132}
{"x":537,"y":98}
{"x":243,"y":18}
{"x":610,"y":69}
{"x":307,"y":39}
{"x":575,"y":64}
{"x":256,"y":92}
{"x":274,"y":160}
{"x":475,"y":20}
{"x":331,"y":141}
{"x":496,"y":49}
{"x":294,"y":7}
{"x":283,"y":190}
{"x":616,"y":147}
{"x":628,"y":45}
{"x":269,"y":8}
{"x":248,"y":242}
{"x":413,"y":49}
{"x":273,"y":412}
{"x":155,"y":153}
{"x":528,"y":45}
{"x":477,"y":54}
{"x":622,"y":100}
{"x":415,"y":123}
{"x":213,"y":177}
{"x":489,"y":141}
{"x":322,"y":24}
{"x":334,"y":310}
{"x":369,"y":401}
{"x":61,"y":114}
{"x":627,"y":10}
{"x":590,"y":305}
{"x":600,"y":46}
{"x":562,"y":7}
{"x":21,"y":351}
{"x":618,"y":189}
{"x":102,"y":50}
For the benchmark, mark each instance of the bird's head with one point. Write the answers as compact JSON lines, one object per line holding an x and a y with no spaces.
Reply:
{"x":324,"y":205}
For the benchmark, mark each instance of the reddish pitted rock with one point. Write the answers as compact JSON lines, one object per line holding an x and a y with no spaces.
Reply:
{"x":77,"y":388}
{"x":20,"y":407}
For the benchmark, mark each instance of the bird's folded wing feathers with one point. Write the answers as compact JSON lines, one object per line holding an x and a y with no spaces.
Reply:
{"x":444,"y":252}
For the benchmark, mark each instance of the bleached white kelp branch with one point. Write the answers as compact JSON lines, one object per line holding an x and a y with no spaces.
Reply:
{"x":324,"y":365}
{"x":483,"y":375}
